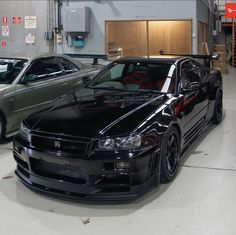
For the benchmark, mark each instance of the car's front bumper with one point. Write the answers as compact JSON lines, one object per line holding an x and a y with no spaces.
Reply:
{"x":93,"y":177}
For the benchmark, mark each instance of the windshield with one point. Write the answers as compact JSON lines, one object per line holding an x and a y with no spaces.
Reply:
{"x":9,"y":69}
{"x":139,"y":76}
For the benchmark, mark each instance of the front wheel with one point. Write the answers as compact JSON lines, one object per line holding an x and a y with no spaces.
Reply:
{"x":2,"y":129}
{"x":218,"y":108}
{"x":170,"y":155}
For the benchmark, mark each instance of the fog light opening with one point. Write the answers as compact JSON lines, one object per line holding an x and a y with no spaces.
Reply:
{"x":122,"y":165}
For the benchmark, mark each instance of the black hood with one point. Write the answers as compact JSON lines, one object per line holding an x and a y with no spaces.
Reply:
{"x":93,"y":112}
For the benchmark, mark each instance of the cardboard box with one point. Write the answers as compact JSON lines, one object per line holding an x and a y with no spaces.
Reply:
{"x":218,"y":48}
{"x":222,"y":57}
{"x":221,"y":66}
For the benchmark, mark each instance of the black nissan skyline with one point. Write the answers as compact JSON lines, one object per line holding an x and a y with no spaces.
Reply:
{"x":122,"y":133}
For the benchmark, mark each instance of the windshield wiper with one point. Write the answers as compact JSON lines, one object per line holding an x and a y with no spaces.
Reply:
{"x":110,"y":88}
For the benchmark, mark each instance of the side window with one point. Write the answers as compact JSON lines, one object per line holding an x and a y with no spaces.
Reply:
{"x":189,"y":73}
{"x":112,"y":74}
{"x":117,"y":71}
{"x":42,"y":69}
{"x":68,"y":66}
{"x":131,"y":68}
{"x":202,"y":70}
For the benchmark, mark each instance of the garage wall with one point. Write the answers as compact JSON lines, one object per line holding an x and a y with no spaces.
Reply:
{"x":203,"y":15}
{"x":202,"y":10}
{"x":101,"y":10}
{"x":17,"y":33}
{"x":128,"y":10}
{"x":202,"y":37}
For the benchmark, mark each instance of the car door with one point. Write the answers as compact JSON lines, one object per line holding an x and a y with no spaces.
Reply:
{"x":195,"y":99}
{"x":43,"y":82}
{"x":74,"y":73}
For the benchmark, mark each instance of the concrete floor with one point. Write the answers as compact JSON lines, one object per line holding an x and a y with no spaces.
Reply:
{"x":200,"y":201}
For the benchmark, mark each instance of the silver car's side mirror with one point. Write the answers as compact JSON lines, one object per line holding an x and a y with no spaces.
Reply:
{"x":29,"y":78}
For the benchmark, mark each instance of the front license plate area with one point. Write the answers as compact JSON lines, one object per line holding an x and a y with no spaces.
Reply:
{"x":66,"y":172}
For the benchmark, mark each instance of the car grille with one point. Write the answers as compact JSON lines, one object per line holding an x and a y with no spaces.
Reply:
{"x":61,"y":144}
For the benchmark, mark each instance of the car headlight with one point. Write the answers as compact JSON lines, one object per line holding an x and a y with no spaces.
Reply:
{"x":123,"y":143}
{"x":128,"y":142}
{"x":25,"y":132}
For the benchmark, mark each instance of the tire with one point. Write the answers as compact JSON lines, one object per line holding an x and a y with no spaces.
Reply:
{"x":218,"y":108}
{"x":170,"y":156}
{"x":2,"y":129}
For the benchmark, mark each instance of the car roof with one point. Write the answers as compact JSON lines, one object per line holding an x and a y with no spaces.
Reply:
{"x":161,"y":59}
{"x":34,"y":56}
{"x":30,"y":56}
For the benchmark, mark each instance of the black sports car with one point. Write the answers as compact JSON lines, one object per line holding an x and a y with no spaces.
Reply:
{"x":121,"y":134}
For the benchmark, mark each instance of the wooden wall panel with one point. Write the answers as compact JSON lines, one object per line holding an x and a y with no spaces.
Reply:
{"x":202,"y":37}
{"x":170,"y":37}
{"x":148,"y":38}
{"x":131,"y":36}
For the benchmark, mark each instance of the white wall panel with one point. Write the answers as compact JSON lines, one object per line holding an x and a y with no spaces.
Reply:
{"x":16,"y":40}
{"x":128,"y":10}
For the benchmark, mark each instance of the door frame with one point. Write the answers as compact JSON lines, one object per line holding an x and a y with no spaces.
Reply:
{"x":199,"y":22}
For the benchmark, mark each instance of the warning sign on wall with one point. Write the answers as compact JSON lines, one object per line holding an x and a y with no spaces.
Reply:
{"x":30,"y":39}
{"x":4,"y":44}
{"x":5,"y":31}
{"x":4,"y":20}
{"x":16,"y":20}
{"x":30,"y":22}
{"x":230,"y":10}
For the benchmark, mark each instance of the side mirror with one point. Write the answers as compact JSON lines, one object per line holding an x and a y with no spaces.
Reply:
{"x":86,"y":80}
{"x":192,"y":86}
{"x":29,"y":78}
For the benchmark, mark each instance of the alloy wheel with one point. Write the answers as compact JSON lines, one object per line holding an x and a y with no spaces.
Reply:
{"x":172,"y":154}
{"x":219,"y":107}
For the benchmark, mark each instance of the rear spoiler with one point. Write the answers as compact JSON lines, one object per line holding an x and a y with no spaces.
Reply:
{"x":207,"y":58}
{"x":95,"y":57}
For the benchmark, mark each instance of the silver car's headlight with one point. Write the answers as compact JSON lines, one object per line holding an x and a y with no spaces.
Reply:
{"x":25,"y":132}
{"x":120,"y":143}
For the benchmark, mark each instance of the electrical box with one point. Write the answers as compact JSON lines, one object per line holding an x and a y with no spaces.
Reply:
{"x":77,"y":20}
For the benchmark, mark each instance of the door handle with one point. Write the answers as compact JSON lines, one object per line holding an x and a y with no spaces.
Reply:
{"x":11,"y":104}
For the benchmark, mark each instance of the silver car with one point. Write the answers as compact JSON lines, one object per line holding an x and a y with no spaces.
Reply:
{"x":28,"y":83}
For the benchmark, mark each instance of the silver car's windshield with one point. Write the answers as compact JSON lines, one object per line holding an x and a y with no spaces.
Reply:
{"x":9,"y":69}
{"x":139,"y":76}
